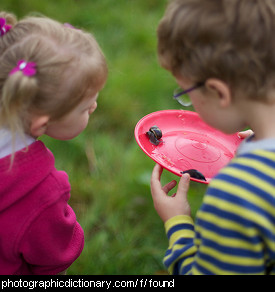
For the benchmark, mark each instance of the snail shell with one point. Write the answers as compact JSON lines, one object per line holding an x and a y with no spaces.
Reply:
{"x":154,"y":135}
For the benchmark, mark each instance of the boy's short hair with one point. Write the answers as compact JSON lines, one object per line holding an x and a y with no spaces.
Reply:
{"x":232,"y":40}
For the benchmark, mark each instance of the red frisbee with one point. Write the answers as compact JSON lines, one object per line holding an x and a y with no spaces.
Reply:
{"x":186,"y":143}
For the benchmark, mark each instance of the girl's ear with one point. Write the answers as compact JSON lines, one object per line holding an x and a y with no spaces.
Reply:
{"x":221,"y":90}
{"x":39,"y":125}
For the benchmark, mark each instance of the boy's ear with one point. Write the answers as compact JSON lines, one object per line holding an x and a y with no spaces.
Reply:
{"x":39,"y":125}
{"x":221,"y":91}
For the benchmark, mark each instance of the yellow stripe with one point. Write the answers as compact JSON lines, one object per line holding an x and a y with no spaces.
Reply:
{"x":195,"y":271}
{"x":227,"y":241}
{"x":213,"y":268}
{"x":180,"y":234}
{"x":180,"y":219}
{"x":188,"y":261}
{"x":264,"y":153}
{"x":231,"y":259}
{"x":188,"y":252}
{"x":238,"y":210}
{"x":226,"y":223}
{"x":197,"y":241}
{"x":258,"y":165}
{"x":244,"y":193}
{"x":246,"y":176}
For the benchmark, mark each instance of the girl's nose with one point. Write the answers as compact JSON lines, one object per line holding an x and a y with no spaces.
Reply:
{"x":93,"y":108}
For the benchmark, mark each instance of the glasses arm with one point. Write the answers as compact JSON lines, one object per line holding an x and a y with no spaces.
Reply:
{"x":188,"y":90}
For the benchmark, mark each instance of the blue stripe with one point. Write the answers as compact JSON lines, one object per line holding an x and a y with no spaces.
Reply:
{"x":258,"y":157}
{"x":227,"y":232}
{"x":182,"y":268}
{"x":174,"y":254}
{"x":217,"y":193}
{"x":178,"y":227}
{"x":240,"y":252}
{"x":249,"y":184}
{"x":184,"y":241}
{"x":202,"y":270}
{"x":231,"y":267}
{"x":238,"y":200}
{"x":266,"y":177}
{"x":226,"y":215}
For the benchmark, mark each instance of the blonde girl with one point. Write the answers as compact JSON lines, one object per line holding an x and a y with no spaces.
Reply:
{"x":50,"y":78}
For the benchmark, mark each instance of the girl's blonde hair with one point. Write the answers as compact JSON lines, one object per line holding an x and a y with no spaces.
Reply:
{"x":70,"y":66}
{"x":232,"y":40}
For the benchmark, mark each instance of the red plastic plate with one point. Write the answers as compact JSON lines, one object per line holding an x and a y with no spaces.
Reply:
{"x":187,"y":143}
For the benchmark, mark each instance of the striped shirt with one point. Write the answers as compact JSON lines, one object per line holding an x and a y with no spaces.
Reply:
{"x":234,"y":232}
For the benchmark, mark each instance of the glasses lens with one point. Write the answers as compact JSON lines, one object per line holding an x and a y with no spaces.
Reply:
{"x":182,"y":98}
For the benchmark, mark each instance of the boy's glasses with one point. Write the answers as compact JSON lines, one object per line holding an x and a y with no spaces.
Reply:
{"x":182,"y":97}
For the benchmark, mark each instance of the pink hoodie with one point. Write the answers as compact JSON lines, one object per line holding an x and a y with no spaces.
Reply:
{"x":39,"y":233}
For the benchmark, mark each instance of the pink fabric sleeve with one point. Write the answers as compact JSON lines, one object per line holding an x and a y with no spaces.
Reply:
{"x":54,"y":240}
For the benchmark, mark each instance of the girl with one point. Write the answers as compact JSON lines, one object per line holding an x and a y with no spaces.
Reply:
{"x":49,"y":82}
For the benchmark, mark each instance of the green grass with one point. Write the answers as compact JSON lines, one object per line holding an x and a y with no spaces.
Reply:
{"x":109,"y":173}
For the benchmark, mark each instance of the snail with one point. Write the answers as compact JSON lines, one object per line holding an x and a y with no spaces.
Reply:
{"x":154,"y":135}
{"x":194,"y":173}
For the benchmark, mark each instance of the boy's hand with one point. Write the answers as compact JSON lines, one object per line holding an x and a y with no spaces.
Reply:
{"x":165,"y":205}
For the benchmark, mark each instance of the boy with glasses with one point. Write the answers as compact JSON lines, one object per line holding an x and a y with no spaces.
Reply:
{"x":222,"y":53}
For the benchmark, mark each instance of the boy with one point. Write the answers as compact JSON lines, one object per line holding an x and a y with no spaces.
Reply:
{"x":225,"y":51}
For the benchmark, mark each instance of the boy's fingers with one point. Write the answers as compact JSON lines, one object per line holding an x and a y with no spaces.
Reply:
{"x":156,"y":186}
{"x":167,"y":188}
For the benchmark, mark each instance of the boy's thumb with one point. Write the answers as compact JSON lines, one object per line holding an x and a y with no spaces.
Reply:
{"x":183,"y":185}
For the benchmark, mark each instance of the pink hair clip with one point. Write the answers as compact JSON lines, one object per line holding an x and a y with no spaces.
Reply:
{"x":4,"y":28}
{"x":28,"y":69}
{"x":70,"y":26}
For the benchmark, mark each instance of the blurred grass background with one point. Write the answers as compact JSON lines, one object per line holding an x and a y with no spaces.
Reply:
{"x":109,"y":173}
